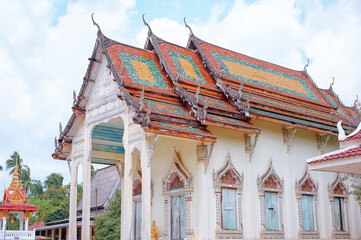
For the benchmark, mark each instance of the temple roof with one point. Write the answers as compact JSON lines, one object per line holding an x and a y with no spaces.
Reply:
{"x":180,"y":91}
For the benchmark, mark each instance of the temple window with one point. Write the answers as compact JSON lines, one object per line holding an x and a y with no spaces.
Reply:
{"x":270,"y":188}
{"x":338,"y":201}
{"x":177,"y":189}
{"x":306,"y":194}
{"x":227,"y":184}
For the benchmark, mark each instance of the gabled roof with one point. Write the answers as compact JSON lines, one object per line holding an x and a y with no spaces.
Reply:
{"x":179,"y":91}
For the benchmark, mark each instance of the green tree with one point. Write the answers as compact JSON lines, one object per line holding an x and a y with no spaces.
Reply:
{"x":107,"y":226}
{"x":36,"y":189}
{"x":54,"y":179}
{"x":25,"y":179}
{"x":53,"y":203}
{"x":14,"y":160}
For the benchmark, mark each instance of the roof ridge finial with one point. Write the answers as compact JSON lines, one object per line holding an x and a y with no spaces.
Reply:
{"x":306,"y":66}
{"x":145,"y":23}
{"x":333,"y":82}
{"x":187,"y":26}
{"x":96,"y":24}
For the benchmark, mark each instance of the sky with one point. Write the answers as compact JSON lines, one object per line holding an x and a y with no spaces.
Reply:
{"x":44,"y":47}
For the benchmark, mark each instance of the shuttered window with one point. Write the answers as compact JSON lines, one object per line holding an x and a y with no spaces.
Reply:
{"x":229,"y":216}
{"x":178,"y":217}
{"x":138,"y":220}
{"x":307,"y":213}
{"x":271,"y":211}
{"x":339,"y":214}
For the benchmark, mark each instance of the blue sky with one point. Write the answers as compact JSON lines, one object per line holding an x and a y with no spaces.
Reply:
{"x":44,"y":47}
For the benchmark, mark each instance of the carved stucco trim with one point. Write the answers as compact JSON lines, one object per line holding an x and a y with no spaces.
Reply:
{"x":178,"y":168}
{"x":298,"y":190}
{"x":279,"y":234}
{"x":217,"y":184}
{"x":332,"y":195}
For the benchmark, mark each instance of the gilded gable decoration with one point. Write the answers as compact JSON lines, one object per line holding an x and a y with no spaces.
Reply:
{"x":306,"y":184}
{"x":337,"y":188}
{"x":228,"y":177}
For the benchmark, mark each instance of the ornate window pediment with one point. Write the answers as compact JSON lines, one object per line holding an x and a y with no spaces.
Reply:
{"x":270,"y":188}
{"x":228,"y":184}
{"x":270,"y":180}
{"x":306,"y":193}
{"x":178,"y":176}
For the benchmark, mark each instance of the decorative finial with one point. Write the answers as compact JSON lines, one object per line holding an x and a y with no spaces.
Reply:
{"x":145,"y":23}
{"x":341,"y":132}
{"x":221,"y":70}
{"x":306,"y":66}
{"x":141,"y":100}
{"x":60,"y":128}
{"x":74,"y":97}
{"x":96,"y":24}
{"x":333,"y":82}
{"x":187,"y":26}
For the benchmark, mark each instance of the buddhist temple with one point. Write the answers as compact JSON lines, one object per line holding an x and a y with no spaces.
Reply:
{"x":14,"y":202}
{"x":210,"y":143}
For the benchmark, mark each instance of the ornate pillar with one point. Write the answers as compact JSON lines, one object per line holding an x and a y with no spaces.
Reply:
{"x":21,"y":227}
{"x":73,"y":199}
{"x":146,"y":188}
{"x":86,"y":183}
{"x":203,"y":199}
{"x":127,"y":196}
{"x":26,"y":224}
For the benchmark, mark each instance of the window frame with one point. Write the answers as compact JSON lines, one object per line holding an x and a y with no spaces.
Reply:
{"x":235,"y":182}
{"x":271,"y":182}
{"x":307,"y":186}
{"x":337,"y":189}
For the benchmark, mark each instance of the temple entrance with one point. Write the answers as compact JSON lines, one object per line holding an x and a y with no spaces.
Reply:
{"x":178,"y":217}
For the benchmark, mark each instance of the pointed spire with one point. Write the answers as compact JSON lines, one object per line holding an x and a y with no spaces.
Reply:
{"x":306,"y":66}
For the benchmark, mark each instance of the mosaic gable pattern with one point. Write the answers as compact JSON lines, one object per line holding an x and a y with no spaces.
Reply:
{"x":187,"y":67}
{"x":167,"y":108}
{"x":252,"y":73}
{"x":143,"y":71}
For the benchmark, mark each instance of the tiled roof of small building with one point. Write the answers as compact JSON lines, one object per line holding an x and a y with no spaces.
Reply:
{"x":339,"y":154}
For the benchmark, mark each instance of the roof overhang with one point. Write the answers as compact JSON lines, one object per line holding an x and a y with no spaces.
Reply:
{"x":350,"y":165}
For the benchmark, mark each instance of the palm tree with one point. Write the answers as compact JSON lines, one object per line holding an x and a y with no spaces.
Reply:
{"x":25,"y":178}
{"x":14,"y":160}
{"x":36,"y":188}
{"x":54,"y":179}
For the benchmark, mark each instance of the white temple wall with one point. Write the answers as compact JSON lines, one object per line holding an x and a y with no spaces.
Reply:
{"x":289,"y":166}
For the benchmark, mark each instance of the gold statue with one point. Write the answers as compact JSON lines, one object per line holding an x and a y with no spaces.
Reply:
{"x":154,"y":231}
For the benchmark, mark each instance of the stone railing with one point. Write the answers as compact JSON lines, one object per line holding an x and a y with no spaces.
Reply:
{"x":21,"y":235}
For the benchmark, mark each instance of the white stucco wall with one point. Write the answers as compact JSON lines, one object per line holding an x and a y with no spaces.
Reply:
{"x":289,"y":166}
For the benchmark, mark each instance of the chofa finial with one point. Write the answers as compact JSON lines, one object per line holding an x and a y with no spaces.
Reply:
{"x":145,"y":23}
{"x":187,"y":26}
{"x":333,"y":82}
{"x":96,"y":24}
{"x":307,"y":64}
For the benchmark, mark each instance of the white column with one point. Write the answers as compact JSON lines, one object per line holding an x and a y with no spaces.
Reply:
{"x":203,"y":199}
{"x":73,"y":199}
{"x":146,"y":189}
{"x":4,"y":224}
{"x":21,"y":225}
{"x":26,"y":224}
{"x":127,"y":200}
{"x":86,"y":184}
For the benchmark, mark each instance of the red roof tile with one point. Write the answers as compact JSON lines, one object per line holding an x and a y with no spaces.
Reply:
{"x":349,"y":152}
